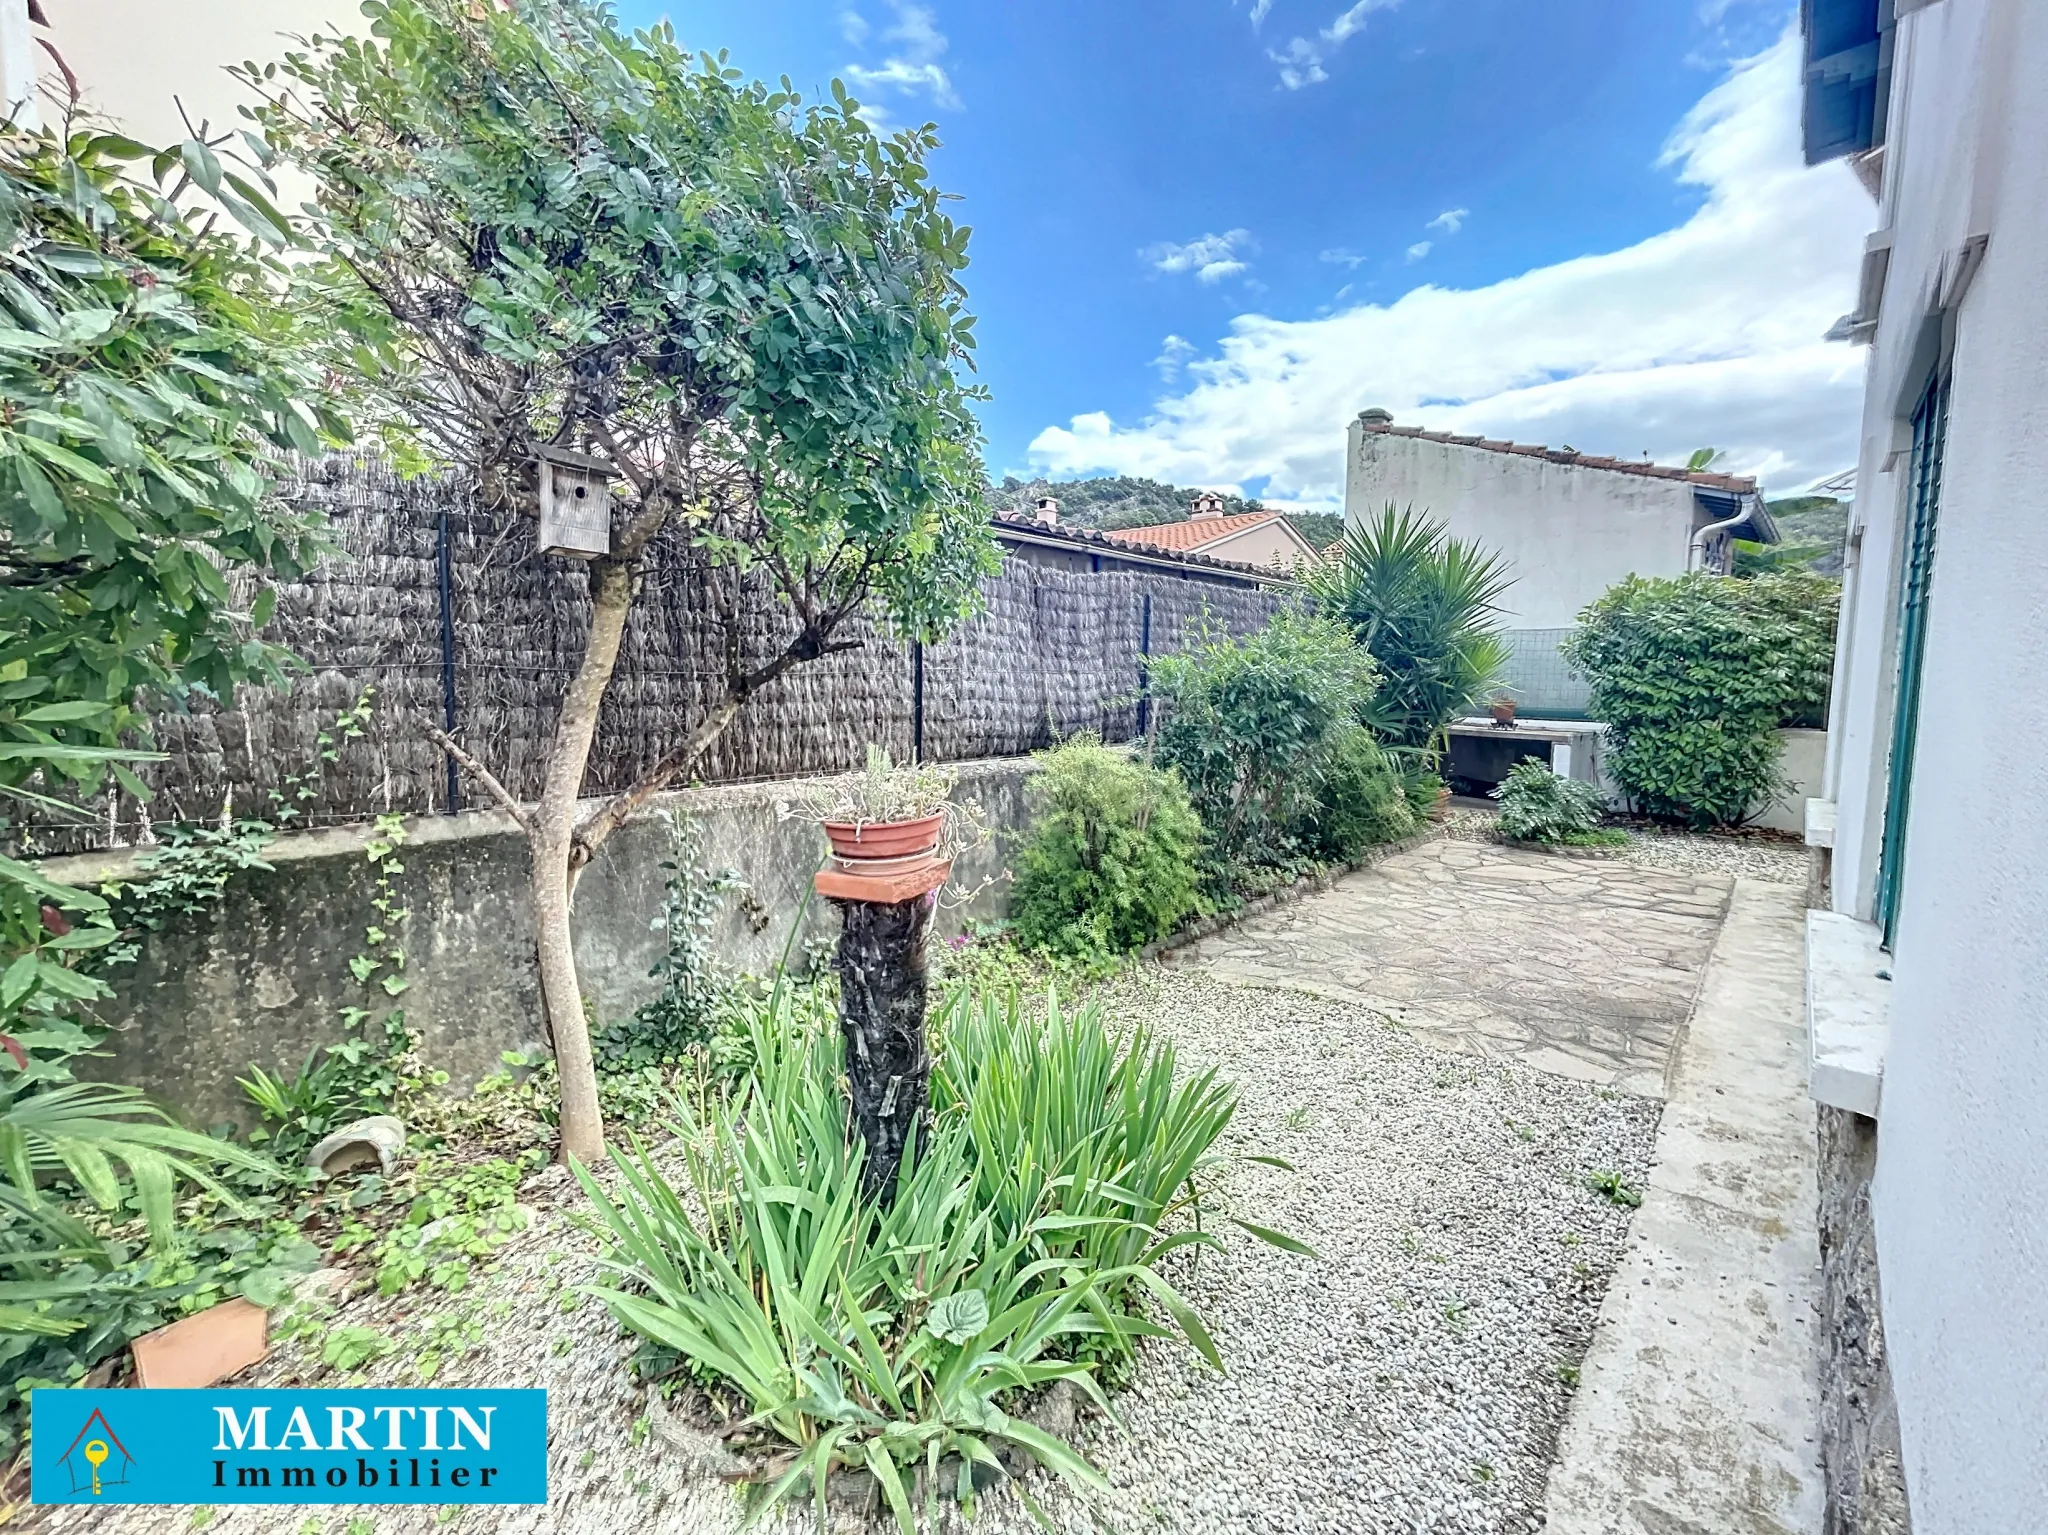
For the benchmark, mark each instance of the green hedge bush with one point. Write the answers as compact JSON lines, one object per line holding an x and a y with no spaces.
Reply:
{"x":1360,"y":800}
{"x":1695,"y":675}
{"x":1249,"y":724}
{"x":1110,"y":864}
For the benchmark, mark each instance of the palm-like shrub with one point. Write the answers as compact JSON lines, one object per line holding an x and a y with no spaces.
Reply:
{"x":1537,"y":805}
{"x":1422,"y":604}
{"x":1022,"y":1229}
{"x":1110,"y":864}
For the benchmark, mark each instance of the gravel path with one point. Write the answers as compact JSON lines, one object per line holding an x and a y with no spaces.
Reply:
{"x":1747,"y":856}
{"x":1411,"y":1380}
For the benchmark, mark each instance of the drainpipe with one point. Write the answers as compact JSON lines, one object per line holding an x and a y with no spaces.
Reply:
{"x":1696,"y":551}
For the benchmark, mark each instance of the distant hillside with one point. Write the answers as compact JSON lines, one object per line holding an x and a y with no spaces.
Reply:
{"x":1125,"y":501}
{"x":1815,"y":526}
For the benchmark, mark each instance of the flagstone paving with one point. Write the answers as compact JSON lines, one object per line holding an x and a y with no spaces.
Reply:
{"x":1582,"y":966}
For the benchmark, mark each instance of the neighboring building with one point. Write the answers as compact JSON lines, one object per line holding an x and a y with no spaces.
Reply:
{"x":1569,"y":524}
{"x":1043,"y":540}
{"x":1928,"y":980}
{"x":133,"y":57}
{"x":1266,"y":540}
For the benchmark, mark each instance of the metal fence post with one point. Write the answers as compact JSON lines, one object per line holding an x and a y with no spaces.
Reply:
{"x":917,"y":700}
{"x":448,"y":712}
{"x":1144,"y":669}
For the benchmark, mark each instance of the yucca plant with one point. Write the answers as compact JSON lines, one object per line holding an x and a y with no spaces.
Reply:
{"x":1424,"y":604}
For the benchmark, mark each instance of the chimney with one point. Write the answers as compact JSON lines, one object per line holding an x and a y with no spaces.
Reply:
{"x":1375,"y":419}
{"x":1206,"y":506}
{"x":1048,"y":511}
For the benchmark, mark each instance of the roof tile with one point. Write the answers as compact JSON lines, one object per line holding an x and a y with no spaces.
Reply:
{"x":1735,"y":484}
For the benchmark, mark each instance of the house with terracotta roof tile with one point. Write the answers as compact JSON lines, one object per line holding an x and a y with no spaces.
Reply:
{"x":1569,"y":524}
{"x":1264,"y":540}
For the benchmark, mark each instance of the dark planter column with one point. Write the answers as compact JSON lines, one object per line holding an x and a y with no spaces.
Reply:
{"x":884,"y":923}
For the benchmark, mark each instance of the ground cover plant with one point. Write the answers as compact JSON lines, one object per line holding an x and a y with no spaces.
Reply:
{"x":539,"y":234}
{"x":1026,"y":1229}
{"x":1695,"y":675}
{"x":1537,"y":805}
{"x":1109,"y":864}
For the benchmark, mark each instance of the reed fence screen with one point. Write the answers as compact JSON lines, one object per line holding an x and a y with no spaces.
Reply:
{"x":447,"y":612}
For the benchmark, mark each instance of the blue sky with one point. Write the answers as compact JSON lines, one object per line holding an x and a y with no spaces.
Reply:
{"x":1208,"y":233}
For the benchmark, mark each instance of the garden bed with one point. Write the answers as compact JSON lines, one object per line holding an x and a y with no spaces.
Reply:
{"x":1412,"y":1377}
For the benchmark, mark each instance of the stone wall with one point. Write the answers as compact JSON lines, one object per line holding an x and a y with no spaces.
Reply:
{"x":262,"y":976}
{"x":1866,"y":1489}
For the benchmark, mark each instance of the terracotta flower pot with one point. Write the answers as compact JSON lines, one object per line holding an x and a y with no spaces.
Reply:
{"x":858,"y":841}
{"x":1503,"y":711}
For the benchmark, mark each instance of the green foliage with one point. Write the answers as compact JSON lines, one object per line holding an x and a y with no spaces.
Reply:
{"x":460,"y":1214}
{"x":696,"y":991}
{"x":1019,"y":1237}
{"x":148,"y":371}
{"x":1249,"y":724}
{"x":1110,"y":863}
{"x":1615,"y":1189}
{"x":1814,"y":530}
{"x":146,"y":374}
{"x":750,"y":304}
{"x":1360,"y":801}
{"x":1694,"y":676}
{"x":1537,"y":805}
{"x":1422,"y":603}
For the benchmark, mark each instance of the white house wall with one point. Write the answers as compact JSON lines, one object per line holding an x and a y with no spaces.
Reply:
{"x":1960,"y":1195}
{"x":1569,"y":532}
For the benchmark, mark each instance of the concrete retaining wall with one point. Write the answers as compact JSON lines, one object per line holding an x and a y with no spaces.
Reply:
{"x":262,"y":977}
{"x":1866,"y":1488}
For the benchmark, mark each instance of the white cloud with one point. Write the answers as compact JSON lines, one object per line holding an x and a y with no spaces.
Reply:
{"x":1451,"y":220}
{"x":912,"y":67}
{"x":1301,"y":61}
{"x":1420,"y":249}
{"x":1706,"y":333}
{"x":1259,"y":11}
{"x":1340,"y":256}
{"x":1210,"y":257}
{"x":1173,"y":351}
{"x":853,"y":26}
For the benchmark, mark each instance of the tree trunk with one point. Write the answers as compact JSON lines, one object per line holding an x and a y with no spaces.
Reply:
{"x":552,"y":839}
{"x":881,"y":1011}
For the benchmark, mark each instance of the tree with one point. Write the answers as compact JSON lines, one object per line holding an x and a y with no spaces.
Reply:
{"x":1422,"y":603}
{"x":542,"y":234}
{"x":148,"y":374}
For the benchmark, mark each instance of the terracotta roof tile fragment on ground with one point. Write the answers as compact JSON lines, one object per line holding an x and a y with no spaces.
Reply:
{"x":1734,"y":484}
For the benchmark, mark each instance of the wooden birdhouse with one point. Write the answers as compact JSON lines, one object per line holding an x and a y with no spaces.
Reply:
{"x":575,"y":504}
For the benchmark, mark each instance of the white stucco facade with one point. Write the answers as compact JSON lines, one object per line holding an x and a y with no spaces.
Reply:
{"x":1569,"y":530}
{"x":1960,"y":1195}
